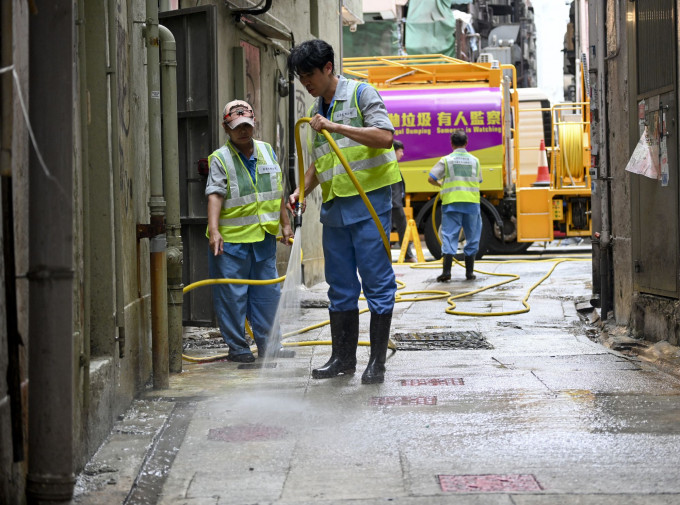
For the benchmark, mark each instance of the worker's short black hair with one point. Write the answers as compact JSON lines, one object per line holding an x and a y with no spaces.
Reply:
{"x":459,"y":138}
{"x":397,"y":145}
{"x":309,"y":55}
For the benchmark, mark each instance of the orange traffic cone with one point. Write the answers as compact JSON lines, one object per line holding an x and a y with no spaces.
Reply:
{"x":543,"y":175}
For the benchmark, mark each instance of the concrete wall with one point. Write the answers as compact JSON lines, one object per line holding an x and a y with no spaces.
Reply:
{"x":114,"y":201}
{"x":653,"y":318}
{"x":618,"y":114}
{"x":14,"y":51}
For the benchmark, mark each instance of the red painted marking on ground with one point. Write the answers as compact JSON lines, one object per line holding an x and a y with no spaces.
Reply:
{"x":488,"y":483}
{"x":403,"y":400}
{"x":433,"y":382}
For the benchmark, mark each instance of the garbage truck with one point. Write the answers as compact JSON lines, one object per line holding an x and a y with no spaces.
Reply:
{"x":429,"y":96}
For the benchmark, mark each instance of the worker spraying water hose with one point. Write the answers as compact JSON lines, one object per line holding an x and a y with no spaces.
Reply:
{"x":354,"y":117}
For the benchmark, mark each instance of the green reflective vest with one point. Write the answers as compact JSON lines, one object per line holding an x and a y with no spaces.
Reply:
{"x":249,"y":210}
{"x":461,"y":179}
{"x":374,"y":168}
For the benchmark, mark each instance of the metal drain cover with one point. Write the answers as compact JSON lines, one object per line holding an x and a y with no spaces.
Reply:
{"x":424,"y":341}
{"x":255,"y":366}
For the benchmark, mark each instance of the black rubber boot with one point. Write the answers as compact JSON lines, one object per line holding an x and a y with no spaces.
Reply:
{"x":345,"y":337}
{"x":380,"y":335}
{"x":470,"y":268}
{"x":446,"y":271}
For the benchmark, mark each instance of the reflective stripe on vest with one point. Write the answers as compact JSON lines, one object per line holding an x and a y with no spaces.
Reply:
{"x":461,"y":179}
{"x":374,"y":168}
{"x":249,"y":209}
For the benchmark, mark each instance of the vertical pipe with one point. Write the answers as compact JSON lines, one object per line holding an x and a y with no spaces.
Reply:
{"x":157,"y":243}
{"x":338,"y":69}
{"x":291,"y":123}
{"x":595,"y":201}
{"x":605,"y":233}
{"x":171,"y":187}
{"x":50,"y":257}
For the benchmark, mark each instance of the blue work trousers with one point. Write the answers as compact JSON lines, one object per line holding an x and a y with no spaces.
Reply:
{"x":452,"y":222}
{"x":359,"y":247}
{"x":234,"y":302}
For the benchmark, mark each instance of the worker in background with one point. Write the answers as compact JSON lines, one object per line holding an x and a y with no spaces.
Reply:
{"x":459,"y":175}
{"x":398,"y":195}
{"x":355,"y":116}
{"x":245,"y":209}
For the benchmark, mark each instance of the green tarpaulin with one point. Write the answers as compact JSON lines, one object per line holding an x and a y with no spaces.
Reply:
{"x":430,"y":28}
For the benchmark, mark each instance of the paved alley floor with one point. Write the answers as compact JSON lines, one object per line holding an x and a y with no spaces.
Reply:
{"x":519,"y":409}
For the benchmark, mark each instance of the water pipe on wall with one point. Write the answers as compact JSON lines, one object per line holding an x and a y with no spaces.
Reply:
{"x":156,"y":229}
{"x":171,"y":187}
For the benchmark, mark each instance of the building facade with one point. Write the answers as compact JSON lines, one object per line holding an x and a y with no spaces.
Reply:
{"x":100,"y":186}
{"x":634,"y":81}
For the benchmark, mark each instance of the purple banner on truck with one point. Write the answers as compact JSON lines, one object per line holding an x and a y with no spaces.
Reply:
{"x":424,"y":118}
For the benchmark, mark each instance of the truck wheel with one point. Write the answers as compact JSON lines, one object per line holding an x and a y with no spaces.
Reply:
{"x":486,"y":236}
{"x":496,"y":246}
{"x":431,"y":241}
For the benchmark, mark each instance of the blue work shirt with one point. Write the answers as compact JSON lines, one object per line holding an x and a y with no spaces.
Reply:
{"x":345,"y":210}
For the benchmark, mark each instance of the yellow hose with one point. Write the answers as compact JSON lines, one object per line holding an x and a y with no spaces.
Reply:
{"x":428,"y":295}
{"x":571,"y":147}
{"x":351,"y":175}
{"x":399,"y":297}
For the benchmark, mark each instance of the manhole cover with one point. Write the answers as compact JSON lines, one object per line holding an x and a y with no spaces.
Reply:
{"x":403,"y":400}
{"x":423,"y":341}
{"x":255,"y":366}
{"x":488,"y":483}
{"x":432,"y":382}
{"x":246,"y":433}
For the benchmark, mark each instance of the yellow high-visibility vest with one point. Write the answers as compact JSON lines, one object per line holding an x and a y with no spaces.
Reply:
{"x":461,"y":178}
{"x":249,"y":209}
{"x":373,"y":167}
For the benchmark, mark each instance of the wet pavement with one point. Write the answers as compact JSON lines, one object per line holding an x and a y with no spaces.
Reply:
{"x":520,"y":409}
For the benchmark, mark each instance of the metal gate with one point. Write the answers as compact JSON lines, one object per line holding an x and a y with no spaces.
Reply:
{"x":194,"y":31}
{"x":655,"y":203}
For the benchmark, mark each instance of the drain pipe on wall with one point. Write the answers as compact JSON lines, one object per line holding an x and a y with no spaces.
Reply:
{"x":604,"y":179}
{"x":51,"y":356}
{"x":171,"y":187}
{"x":291,"y":123}
{"x":155,"y":231}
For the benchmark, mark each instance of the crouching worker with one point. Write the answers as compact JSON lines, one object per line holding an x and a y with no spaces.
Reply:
{"x":459,"y":175}
{"x":245,"y":209}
